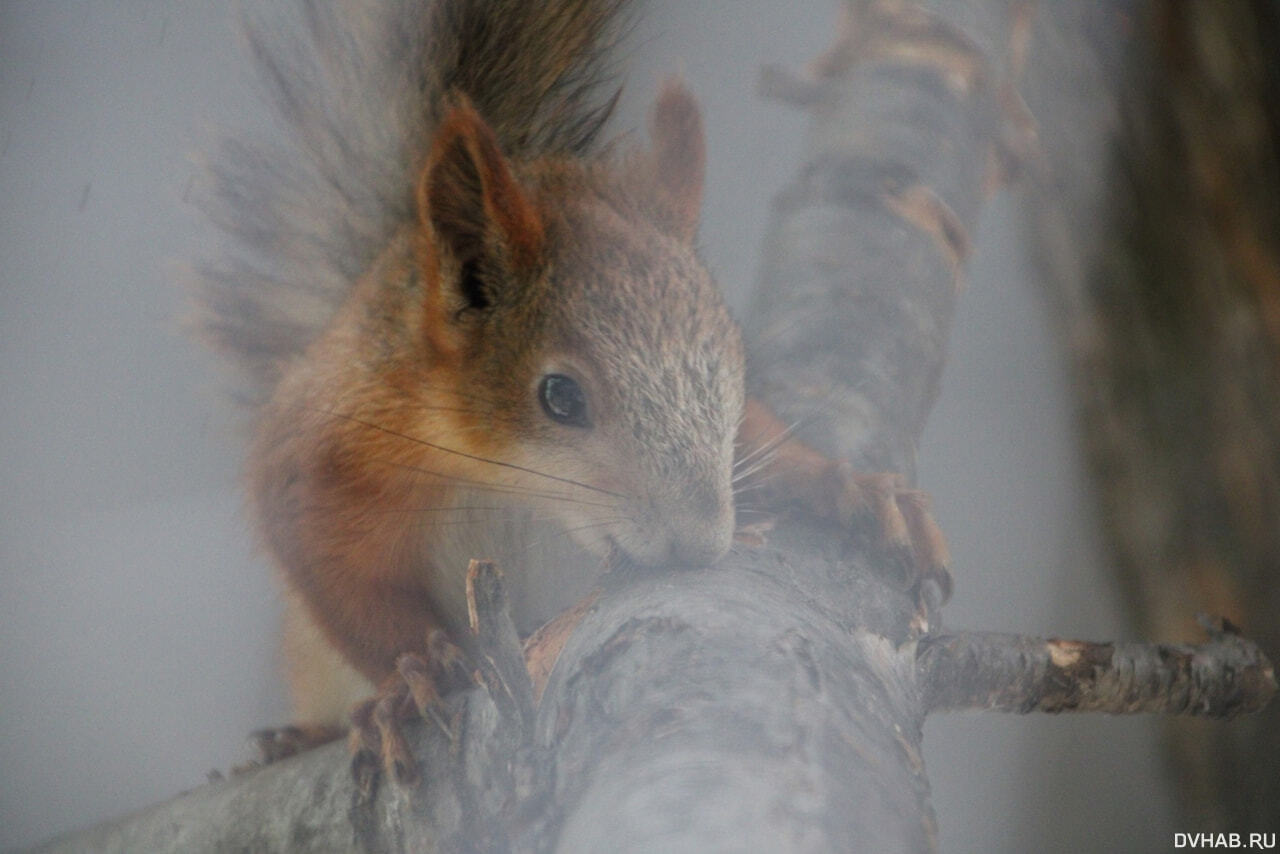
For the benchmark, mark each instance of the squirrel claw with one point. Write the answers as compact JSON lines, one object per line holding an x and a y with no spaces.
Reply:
{"x":364,"y":744}
{"x":933,"y":558}
{"x":423,"y":683}
{"x":903,"y":520}
{"x":377,"y":743}
{"x":417,"y":688}
{"x":397,"y":758}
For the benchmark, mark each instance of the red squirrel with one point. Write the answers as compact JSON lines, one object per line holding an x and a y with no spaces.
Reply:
{"x":474,"y":332}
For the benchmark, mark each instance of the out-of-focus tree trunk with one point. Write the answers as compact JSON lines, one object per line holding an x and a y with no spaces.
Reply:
{"x":1157,"y":214}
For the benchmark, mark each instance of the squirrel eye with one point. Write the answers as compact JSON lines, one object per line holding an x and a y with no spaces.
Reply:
{"x":563,"y":401}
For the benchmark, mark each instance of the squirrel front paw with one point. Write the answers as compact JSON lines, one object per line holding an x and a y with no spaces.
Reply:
{"x":779,"y":470}
{"x":415,"y":689}
{"x":899,"y":516}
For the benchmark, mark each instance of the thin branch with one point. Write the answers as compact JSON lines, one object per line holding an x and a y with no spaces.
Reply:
{"x":1223,"y":678}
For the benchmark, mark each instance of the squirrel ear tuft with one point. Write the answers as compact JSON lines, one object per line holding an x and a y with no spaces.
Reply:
{"x":679,"y":153}
{"x":468,"y":195}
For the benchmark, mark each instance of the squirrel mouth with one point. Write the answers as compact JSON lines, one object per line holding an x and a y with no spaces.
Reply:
{"x":616,"y":551}
{"x":617,"y":557}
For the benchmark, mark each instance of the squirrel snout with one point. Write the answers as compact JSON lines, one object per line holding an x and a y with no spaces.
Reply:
{"x":693,"y":533}
{"x":700,"y":535}
{"x":702,"y":550}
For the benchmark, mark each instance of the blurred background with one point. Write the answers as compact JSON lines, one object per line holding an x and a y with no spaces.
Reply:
{"x":137,"y":619}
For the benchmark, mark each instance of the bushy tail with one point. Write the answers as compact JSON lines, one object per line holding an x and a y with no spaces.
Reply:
{"x":360,"y":87}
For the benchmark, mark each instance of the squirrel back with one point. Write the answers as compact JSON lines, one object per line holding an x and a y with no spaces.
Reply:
{"x":361,"y":88}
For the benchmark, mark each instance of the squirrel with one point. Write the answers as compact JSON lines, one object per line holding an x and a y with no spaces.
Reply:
{"x":472,"y":330}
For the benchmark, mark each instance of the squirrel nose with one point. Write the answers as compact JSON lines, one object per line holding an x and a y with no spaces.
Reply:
{"x":702,"y":551}
{"x":702,"y":538}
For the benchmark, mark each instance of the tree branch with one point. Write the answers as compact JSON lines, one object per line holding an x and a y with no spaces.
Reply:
{"x":1226,"y":677}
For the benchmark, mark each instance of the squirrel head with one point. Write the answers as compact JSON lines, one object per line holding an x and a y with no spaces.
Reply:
{"x":567,"y":305}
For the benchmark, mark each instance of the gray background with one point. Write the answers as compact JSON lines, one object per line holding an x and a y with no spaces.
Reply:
{"x":137,"y":621}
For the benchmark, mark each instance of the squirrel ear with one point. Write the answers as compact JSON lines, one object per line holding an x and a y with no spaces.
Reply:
{"x":468,"y":197}
{"x":679,"y":154}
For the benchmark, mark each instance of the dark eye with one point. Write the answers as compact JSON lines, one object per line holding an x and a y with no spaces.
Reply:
{"x":562,"y":400}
